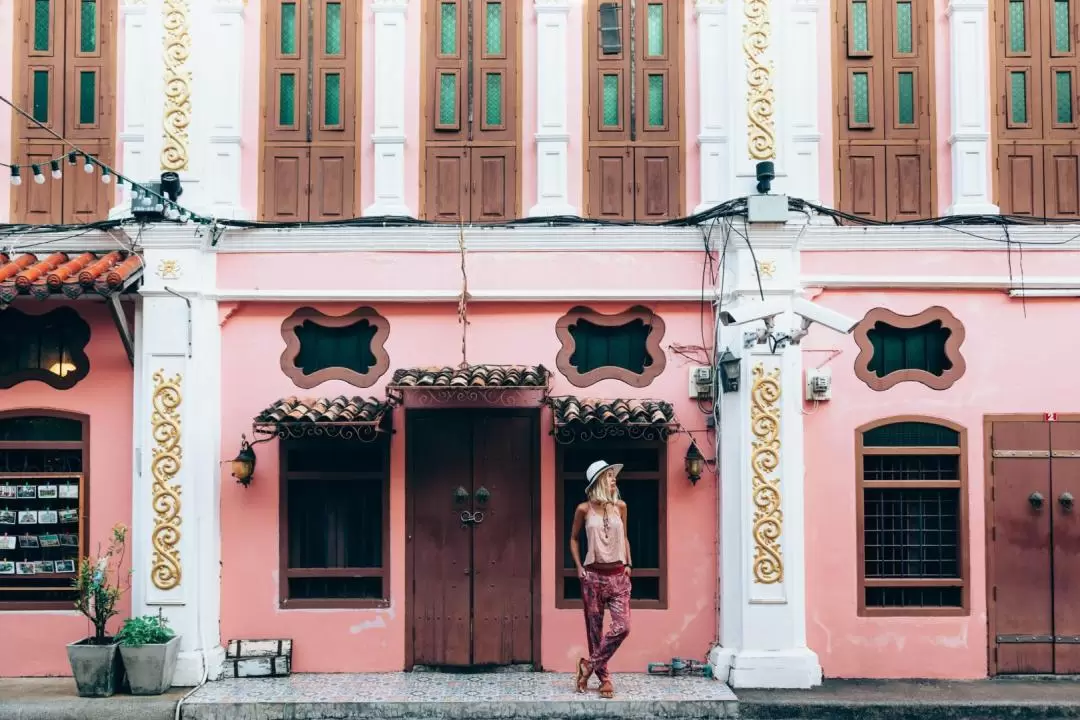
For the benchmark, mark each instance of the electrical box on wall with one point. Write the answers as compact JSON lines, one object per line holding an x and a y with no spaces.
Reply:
{"x":701,"y":382}
{"x":818,"y":384}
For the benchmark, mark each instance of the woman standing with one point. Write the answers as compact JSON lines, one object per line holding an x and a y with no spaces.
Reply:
{"x":605,"y":574}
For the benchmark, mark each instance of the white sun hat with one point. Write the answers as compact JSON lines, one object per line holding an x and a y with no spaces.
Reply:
{"x":597,"y":469}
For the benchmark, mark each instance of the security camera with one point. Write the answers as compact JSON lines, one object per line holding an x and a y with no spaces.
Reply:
{"x":749,"y":312}
{"x":811,"y":312}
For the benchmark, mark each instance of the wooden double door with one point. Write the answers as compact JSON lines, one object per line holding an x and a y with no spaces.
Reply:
{"x":1034,"y":546}
{"x":472,"y":545}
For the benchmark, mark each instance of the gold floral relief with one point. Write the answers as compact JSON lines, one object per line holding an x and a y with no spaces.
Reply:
{"x":164,"y":465}
{"x":764,"y":459}
{"x":174,"y":152}
{"x":759,"y":100}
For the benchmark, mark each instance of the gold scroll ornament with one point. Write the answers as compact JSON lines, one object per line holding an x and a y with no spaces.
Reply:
{"x":764,"y":459}
{"x":759,"y":98}
{"x":165,"y":464}
{"x":174,"y":152}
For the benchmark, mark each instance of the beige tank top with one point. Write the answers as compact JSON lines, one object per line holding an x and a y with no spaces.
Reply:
{"x":606,"y":545}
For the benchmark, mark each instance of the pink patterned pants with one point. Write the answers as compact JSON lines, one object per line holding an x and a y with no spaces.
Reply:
{"x":602,"y":591}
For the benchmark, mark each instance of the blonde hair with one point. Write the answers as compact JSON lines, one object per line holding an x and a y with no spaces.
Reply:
{"x":599,"y":492}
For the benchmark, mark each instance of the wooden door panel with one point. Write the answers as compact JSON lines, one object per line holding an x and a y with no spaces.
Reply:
{"x":285,"y":183}
{"x":333,"y":74}
{"x":89,"y":109}
{"x":862,"y":181}
{"x":493,"y":184}
{"x":333,"y":179}
{"x":1062,"y":174}
{"x":608,"y":77}
{"x":1020,"y":548}
{"x":285,"y":82}
{"x":39,"y":76}
{"x":1065,"y":478}
{"x":86,"y":198}
{"x":439,"y":447}
{"x":907,"y":182}
{"x":611,"y":183}
{"x":495,"y":75}
{"x":1021,"y":184}
{"x":656,"y":183}
{"x":33,"y":203}
{"x":502,"y":543}
{"x":446,"y":178}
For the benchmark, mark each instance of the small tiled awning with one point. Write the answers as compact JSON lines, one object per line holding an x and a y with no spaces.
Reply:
{"x":346,"y":418}
{"x":497,"y":385}
{"x":576,"y":419}
{"x":68,"y":275}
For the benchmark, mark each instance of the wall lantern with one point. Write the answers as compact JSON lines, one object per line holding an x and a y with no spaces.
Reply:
{"x":695,"y":463}
{"x":729,"y":372}
{"x":243,"y":465}
{"x":610,"y":30}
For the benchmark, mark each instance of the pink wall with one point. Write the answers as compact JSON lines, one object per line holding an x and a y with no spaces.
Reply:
{"x":34,"y":641}
{"x":424,"y":334}
{"x":1005,"y":374}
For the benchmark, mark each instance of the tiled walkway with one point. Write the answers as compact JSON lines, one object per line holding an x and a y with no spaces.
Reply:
{"x":438,"y":695}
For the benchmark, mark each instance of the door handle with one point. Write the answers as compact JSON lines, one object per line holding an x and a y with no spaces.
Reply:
{"x":483,"y":495}
{"x":461,"y":495}
{"x":1066,"y":501}
{"x":471,"y":518}
{"x":1036,"y":500}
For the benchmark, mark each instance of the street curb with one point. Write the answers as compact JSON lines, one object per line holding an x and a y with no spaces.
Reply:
{"x":826,"y":710}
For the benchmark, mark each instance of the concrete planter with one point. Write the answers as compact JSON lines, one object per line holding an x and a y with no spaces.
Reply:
{"x":97,"y":668}
{"x":150,"y":668}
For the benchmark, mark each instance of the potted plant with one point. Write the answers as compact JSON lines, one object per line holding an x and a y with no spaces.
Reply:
{"x":149,"y":648}
{"x":95,"y":661}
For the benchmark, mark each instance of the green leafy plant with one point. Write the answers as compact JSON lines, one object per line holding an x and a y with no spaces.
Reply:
{"x":145,"y":630}
{"x":97,"y":596}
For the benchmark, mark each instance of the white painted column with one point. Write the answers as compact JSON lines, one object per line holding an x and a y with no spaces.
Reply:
{"x":552,"y":134}
{"x":801,"y":99}
{"x":715,"y":93}
{"x":388,"y":171}
{"x":176,"y":486}
{"x":970,"y":92}
{"x":762,"y":564}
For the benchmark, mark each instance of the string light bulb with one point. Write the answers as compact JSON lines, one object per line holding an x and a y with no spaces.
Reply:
{"x":15,"y":179}
{"x":39,"y":178}
{"x":72,"y":157}
{"x":54,"y":165}
{"x":88,"y":167}
{"x":105,"y":176}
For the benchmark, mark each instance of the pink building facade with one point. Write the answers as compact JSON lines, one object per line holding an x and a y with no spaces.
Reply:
{"x":844,"y":453}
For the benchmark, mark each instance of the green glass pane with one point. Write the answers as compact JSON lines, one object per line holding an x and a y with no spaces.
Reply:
{"x":1063,"y":83}
{"x":1018,"y":89}
{"x":87,"y":97}
{"x":88,"y":27}
{"x":861,"y":97}
{"x":448,"y":99}
{"x":905,"y":86}
{"x":611,"y":100}
{"x":860,"y":26}
{"x":493,"y":111}
{"x":288,"y":28}
{"x":655,"y":22}
{"x":1017,"y":33}
{"x":656,"y":101}
{"x":1062,"y":41}
{"x":41,"y":25}
{"x":41,"y":96}
{"x":332,"y":99}
{"x":448,"y":29}
{"x":333,"y":28}
{"x":493,"y":29}
{"x":287,"y":100}
{"x":903,"y":27}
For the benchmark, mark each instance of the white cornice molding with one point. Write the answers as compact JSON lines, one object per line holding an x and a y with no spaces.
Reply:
{"x":427,"y":296}
{"x":940,"y":282}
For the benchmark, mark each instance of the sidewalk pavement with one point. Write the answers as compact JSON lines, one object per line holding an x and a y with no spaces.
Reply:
{"x":56,"y":699}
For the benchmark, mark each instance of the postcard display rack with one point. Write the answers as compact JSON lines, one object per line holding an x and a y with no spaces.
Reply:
{"x":41,"y":532}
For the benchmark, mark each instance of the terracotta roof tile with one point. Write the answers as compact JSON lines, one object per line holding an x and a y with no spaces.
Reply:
{"x":502,"y":376}
{"x":66,"y":274}
{"x":323,"y":410}
{"x":594,"y":411}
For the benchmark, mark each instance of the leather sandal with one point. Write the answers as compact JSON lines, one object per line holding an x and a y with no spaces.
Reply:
{"x":607,"y":690}
{"x":581,"y":678}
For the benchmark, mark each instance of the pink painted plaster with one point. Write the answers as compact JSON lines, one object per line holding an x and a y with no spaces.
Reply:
{"x":35,"y":641}
{"x":995,"y":382}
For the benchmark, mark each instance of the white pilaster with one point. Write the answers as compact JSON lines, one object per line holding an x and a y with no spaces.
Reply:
{"x":970,"y":131}
{"x":762,"y":565}
{"x":802,"y":97}
{"x":175,"y":521}
{"x":388,"y":171}
{"x":552,"y":135}
{"x":715,"y":93}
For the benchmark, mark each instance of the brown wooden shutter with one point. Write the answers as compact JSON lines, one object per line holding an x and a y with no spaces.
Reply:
{"x":286,"y":73}
{"x":1020,"y":186}
{"x":446,"y":170}
{"x":91,"y":51}
{"x":609,"y":78}
{"x":285,"y":183}
{"x":493,"y":173}
{"x":656,"y":177}
{"x":33,"y":203}
{"x":332,"y":173}
{"x":334,"y":71}
{"x":86,"y":198}
{"x":39,"y":67}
